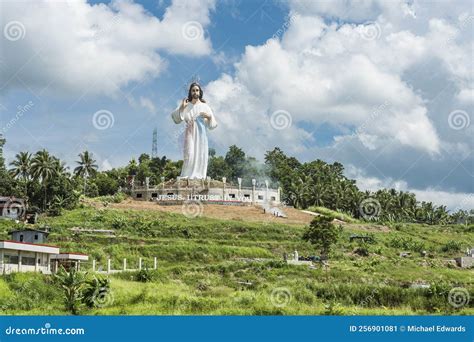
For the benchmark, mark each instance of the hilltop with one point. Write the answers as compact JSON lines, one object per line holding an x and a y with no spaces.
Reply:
{"x":230,"y":261}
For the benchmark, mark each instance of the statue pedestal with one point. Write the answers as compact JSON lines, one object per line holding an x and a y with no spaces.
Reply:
{"x":177,"y":191}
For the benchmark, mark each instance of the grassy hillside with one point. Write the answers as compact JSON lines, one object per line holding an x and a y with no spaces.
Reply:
{"x":212,"y":266}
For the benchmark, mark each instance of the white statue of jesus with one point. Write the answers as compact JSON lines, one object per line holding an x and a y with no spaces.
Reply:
{"x":198,"y":116}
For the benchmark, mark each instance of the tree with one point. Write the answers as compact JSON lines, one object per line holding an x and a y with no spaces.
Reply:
{"x":60,"y":168}
{"x":235,"y":159}
{"x":57,"y":205}
{"x":6,"y":182}
{"x":72,"y":283}
{"x":43,"y":168}
{"x":143,"y":170}
{"x":218,"y":168}
{"x":21,"y":166}
{"x":22,"y":169}
{"x":144,"y":158}
{"x":106,"y":185}
{"x":322,"y":234}
{"x":212,"y":152}
{"x":132,"y":167}
{"x":87,"y":167}
{"x":172,"y":169}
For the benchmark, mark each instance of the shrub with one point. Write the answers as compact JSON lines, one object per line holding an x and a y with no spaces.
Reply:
{"x":362,"y":251}
{"x":119,"y":222}
{"x":451,"y":246}
{"x":72,"y":283}
{"x":96,"y":292}
{"x":145,"y":276}
{"x":407,"y":243}
{"x":28,"y":291}
{"x":6,"y":295}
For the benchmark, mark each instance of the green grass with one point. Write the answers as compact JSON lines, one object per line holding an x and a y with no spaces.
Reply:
{"x":203,"y":263}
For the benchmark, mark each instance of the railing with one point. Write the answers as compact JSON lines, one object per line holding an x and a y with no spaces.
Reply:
{"x":228,"y":187}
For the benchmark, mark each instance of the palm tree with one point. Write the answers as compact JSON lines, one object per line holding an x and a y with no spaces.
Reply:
{"x":299,"y":192}
{"x":42,"y":167}
{"x":22,"y":168}
{"x":60,"y":167}
{"x":86,"y":168}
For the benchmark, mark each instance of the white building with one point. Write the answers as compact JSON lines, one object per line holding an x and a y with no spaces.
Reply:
{"x":26,"y":252}
{"x":25,"y":257}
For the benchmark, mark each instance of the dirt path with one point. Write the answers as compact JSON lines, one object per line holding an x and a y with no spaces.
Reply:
{"x":241,"y":213}
{"x":237,"y":213}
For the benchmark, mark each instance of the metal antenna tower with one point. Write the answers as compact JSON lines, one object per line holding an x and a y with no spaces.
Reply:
{"x":154,"y":147}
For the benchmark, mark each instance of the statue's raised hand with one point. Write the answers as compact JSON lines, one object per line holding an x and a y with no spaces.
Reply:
{"x":184,"y":103}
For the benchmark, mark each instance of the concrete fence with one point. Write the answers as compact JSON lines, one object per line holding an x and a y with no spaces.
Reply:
{"x":109,"y":270}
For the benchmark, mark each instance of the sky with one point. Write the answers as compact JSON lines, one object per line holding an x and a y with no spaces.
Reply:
{"x":383,"y":87}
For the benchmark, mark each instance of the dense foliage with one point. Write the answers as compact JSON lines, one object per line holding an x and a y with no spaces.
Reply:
{"x":45,"y":181}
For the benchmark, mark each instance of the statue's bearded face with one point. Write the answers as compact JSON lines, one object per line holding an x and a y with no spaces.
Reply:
{"x":195,"y":92}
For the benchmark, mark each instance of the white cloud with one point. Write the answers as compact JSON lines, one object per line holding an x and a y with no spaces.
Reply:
{"x":466,"y":96}
{"x":333,"y":74}
{"x":147,"y":103}
{"x":453,"y":201}
{"x":142,"y":102}
{"x":390,"y":71}
{"x":78,"y":47}
{"x":244,"y":120}
{"x":359,"y":11}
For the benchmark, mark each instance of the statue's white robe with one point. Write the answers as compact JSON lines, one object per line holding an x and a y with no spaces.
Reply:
{"x":196,"y":151}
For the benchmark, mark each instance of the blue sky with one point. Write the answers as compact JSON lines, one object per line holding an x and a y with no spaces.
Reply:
{"x":384,"y":87}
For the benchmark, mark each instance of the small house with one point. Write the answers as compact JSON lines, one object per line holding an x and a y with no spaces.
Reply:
{"x":27,"y":252}
{"x":29,"y":235}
